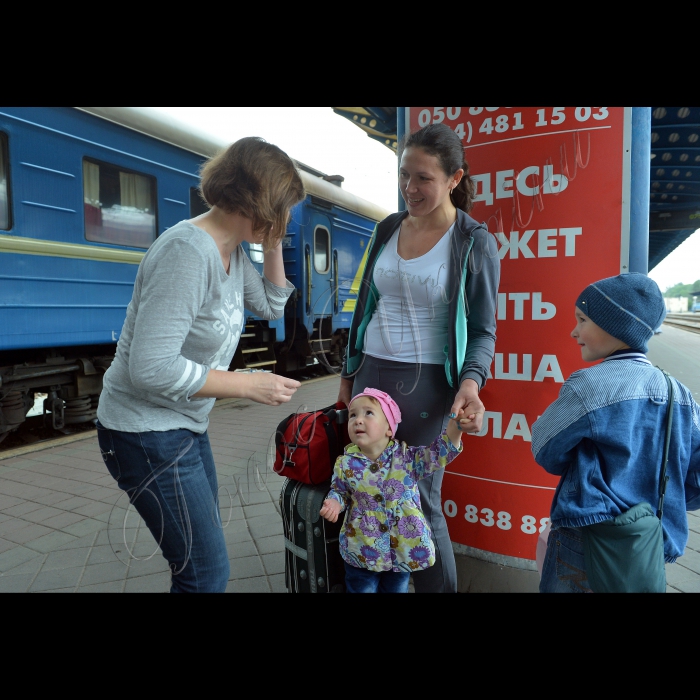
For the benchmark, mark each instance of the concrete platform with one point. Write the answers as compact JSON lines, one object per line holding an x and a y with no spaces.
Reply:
{"x":62,"y":525}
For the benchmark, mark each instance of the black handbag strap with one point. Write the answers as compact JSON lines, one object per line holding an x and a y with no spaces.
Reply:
{"x":667,"y":441}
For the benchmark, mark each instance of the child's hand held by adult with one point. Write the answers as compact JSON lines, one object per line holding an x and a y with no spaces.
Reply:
{"x":454,"y":427}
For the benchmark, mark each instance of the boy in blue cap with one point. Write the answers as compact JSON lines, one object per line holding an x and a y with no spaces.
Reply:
{"x":604,"y":435}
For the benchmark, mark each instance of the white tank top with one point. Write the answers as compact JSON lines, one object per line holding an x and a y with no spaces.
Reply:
{"x":411,"y":319}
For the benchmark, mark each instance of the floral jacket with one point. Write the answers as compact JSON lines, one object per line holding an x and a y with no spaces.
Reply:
{"x":385,"y":529}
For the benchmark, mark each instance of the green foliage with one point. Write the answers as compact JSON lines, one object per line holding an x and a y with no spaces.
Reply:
{"x":685,"y":290}
{"x":680,"y":290}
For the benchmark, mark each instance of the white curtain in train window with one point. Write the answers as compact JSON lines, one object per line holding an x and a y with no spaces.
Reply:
{"x":91,"y":183}
{"x":135,"y":191}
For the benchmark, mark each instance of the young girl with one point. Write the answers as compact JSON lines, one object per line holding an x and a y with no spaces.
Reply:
{"x":386,"y":536}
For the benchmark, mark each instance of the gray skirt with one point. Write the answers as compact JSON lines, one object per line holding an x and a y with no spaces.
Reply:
{"x":421,"y":392}
{"x":425,"y":399}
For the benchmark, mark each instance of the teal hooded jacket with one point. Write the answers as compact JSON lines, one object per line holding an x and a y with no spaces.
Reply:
{"x":475,"y":270}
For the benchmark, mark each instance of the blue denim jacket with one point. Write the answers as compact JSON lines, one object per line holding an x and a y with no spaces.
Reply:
{"x":604,"y":436}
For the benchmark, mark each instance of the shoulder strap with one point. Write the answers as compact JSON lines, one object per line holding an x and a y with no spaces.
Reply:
{"x":667,"y":441}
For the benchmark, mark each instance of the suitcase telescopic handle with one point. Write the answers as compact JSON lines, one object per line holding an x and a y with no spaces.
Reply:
{"x":338,"y":416}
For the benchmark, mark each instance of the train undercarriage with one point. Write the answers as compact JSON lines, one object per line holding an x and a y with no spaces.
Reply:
{"x":71,"y":379}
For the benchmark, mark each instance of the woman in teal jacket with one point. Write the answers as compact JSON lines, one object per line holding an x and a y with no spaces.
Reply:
{"x":424,"y":327}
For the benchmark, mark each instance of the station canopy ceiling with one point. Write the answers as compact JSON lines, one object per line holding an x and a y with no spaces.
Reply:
{"x":674,"y":205}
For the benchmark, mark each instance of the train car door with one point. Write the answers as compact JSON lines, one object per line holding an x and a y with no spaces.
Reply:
{"x":319,"y":266}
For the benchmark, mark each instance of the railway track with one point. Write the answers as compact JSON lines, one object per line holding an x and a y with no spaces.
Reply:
{"x":34,"y":433}
{"x":688,"y":322}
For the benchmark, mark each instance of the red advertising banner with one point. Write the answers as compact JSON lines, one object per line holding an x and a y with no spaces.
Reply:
{"x":553,"y":187}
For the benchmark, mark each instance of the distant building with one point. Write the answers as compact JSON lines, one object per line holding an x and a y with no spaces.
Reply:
{"x":676,"y":305}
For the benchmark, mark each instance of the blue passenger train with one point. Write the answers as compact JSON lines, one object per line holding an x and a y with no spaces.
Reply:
{"x":83,"y":193}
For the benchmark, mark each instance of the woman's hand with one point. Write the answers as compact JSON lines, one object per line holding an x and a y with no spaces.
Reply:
{"x":345,"y":392}
{"x":330,"y":510}
{"x":263,"y":387}
{"x":268,"y":388}
{"x":468,"y":401}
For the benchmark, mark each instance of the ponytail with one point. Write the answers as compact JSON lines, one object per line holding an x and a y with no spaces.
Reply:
{"x":462,"y":196}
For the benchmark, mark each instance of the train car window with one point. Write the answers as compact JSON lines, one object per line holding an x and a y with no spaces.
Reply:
{"x":120,"y":205}
{"x":256,"y":252}
{"x":197,"y":204}
{"x":322,"y":249}
{"x":4,"y":184}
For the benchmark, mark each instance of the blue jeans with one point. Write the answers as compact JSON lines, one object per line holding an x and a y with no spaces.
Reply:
{"x":364,"y":581}
{"x":170,"y":479}
{"x":564,"y":567}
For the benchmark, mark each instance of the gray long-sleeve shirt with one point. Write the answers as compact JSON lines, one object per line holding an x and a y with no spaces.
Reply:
{"x":185,"y":318}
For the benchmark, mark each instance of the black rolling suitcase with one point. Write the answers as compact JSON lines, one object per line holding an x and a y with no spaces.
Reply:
{"x":312,"y":554}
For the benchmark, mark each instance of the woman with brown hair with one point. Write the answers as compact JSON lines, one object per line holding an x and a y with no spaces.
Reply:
{"x":424,"y":327}
{"x":181,"y":331}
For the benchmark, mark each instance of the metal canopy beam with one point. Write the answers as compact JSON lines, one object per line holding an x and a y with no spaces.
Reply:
{"x":674,"y":206}
{"x":378,"y":123}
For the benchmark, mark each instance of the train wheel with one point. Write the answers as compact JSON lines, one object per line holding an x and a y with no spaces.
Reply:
{"x":14,"y":406}
{"x":79,"y":410}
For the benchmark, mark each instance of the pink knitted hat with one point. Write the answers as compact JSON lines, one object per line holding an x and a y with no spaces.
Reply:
{"x":391,"y":410}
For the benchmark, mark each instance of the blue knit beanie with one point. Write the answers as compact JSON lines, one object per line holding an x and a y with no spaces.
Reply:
{"x":630,"y":307}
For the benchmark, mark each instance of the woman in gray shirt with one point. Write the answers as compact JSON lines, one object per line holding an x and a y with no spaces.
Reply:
{"x":181,"y":330}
